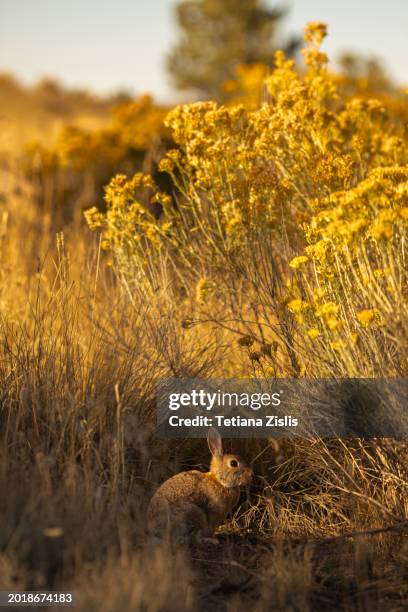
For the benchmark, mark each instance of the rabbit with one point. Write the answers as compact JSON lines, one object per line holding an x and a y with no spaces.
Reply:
{"x":191,"y":505}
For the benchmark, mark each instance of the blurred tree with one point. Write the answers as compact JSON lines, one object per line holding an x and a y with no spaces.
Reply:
{"x":218,"y":35}
{"x":365,"y":72}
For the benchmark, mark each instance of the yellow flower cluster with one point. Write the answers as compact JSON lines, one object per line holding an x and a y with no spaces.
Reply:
{"x":248,"y":85}
{"x":83,"y":160}
{"x":134,"y":126}
{"x":300,"y":203}
{"x":129,"y":226}
{"x":367,"y":316}
{"x":204,"y":289}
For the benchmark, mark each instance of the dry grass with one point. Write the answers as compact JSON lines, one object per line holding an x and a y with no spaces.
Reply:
{"x":79,"y":458}
{"x":324,"y":524}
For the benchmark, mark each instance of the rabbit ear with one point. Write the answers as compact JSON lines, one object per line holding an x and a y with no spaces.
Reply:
{"x":214,"y":442}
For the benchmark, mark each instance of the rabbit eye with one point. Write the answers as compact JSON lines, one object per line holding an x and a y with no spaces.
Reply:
{"x":233,"y":463}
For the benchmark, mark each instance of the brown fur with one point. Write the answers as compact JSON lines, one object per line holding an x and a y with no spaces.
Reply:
{"x":193,"y":504}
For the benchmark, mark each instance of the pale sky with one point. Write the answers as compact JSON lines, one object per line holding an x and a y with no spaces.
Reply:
{"x":106,"y":45}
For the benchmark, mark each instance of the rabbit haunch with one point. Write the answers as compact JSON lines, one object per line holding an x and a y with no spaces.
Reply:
{"x":191,"y":505}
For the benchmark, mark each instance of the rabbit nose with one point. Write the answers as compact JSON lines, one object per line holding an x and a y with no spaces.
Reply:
{"x":248,"y":473}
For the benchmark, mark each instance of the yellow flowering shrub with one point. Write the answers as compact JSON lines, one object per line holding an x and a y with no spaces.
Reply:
{"x":248,"y":85}
{"x":288,"y":220}
{"x":74,"y":171}
{"x":357,"y":258}
{"x":134,"y":127}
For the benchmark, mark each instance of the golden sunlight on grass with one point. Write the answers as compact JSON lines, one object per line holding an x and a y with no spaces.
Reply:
{"x":242,"y":240}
